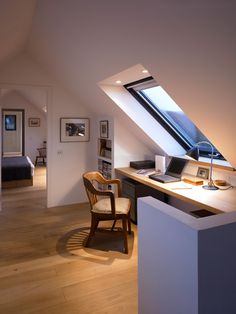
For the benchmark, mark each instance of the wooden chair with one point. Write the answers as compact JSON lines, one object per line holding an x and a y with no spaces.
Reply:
{"x":105,"y":205}
{"x":42,"y":156}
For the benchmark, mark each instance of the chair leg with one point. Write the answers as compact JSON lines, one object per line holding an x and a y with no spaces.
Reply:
{"x":124,"y":225}
{"x":94,"y":224}
{"x":129,"y":223}
{"x":113,"y":225}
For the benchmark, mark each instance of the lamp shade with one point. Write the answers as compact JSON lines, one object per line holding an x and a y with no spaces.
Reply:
{"x":193,"y":153}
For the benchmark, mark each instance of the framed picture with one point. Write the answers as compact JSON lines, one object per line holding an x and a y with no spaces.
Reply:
{"x":104,"y":130}
{"x":203,"y":173}
{"x":10,"y":122}
{"x":74,"y":129}
{"x":34,"y":122}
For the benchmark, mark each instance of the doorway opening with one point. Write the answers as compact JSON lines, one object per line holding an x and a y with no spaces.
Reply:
{"x":24,"y":130}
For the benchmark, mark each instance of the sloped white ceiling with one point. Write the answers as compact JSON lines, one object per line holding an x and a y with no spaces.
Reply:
{"x":36,"y":97}
{"x":188,"y":46}
{"x":15,"y":18}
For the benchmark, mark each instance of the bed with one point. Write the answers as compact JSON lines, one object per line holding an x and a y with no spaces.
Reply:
{"x":17,"y":172}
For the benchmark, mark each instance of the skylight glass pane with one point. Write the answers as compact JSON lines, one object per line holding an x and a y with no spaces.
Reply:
{"x":165,"y":105}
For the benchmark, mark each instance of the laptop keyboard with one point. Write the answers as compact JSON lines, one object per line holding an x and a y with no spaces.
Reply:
{"x":164,"y":177}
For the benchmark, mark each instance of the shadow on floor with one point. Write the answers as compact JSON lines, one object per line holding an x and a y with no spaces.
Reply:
{"x":104,"y":248}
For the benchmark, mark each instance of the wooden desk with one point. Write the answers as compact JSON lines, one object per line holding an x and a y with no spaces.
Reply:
{"x":216,"y":201}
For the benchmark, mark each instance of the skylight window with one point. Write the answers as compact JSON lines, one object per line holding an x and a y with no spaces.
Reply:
{"x":164,"y":109}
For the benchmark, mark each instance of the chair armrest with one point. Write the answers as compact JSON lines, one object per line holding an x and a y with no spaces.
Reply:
{"x":111,"y":195}
{"x":115,"y":181}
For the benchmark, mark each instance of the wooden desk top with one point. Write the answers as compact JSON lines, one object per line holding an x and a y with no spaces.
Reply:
{"x":216,"y":201}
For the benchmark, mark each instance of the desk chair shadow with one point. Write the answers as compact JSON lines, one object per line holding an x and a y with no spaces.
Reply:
{"x":105,"y":205}
{"x":41,"y":157}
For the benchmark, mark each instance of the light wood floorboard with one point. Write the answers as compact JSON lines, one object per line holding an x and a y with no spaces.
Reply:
{"x":44,"y":267}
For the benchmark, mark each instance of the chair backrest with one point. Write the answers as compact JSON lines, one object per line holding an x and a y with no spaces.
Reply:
{"x":42,"y":152}
{"x":90,"y":179}
{"x":90,"y":190}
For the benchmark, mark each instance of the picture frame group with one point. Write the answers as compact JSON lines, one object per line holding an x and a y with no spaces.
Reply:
{"x":74,"y":130}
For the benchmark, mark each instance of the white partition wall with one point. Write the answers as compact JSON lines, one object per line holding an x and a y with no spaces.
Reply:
{"x":187,"y":265}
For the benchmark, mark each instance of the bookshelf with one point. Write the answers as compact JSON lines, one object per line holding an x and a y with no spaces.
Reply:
{"x":105,"y":155}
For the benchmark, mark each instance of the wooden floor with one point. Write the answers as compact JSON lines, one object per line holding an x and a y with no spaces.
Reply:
{"x":44,"y":267}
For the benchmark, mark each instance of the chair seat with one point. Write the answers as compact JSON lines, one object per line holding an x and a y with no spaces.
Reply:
{"x":122,"y":205}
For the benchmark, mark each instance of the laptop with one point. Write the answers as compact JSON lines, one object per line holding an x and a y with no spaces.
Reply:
{"x":173,"y":171}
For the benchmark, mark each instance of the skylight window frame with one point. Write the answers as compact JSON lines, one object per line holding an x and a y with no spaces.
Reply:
{"x":135,"y":88}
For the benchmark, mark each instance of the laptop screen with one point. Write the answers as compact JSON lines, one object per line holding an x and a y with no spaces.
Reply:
{"x":176,"y":167}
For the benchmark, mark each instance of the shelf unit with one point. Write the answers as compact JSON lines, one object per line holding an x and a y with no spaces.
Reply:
{"x":105,"y":167}
{"x":105,"y":148}
{"x":105,"y":159}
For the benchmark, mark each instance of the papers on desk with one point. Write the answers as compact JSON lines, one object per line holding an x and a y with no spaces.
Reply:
{"x":146,"y":172}
{"x":182,"y":188}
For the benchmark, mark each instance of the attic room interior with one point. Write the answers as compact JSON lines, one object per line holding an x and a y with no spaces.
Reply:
{"x":84,"y":64}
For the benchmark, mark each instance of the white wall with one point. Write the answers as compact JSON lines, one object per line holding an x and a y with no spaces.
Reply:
{"x":34,"y":136}
{"x":68,"y":161}
{"x":130,"y":148}
{"x":186,"y":265}
{"x":167,"y":261}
